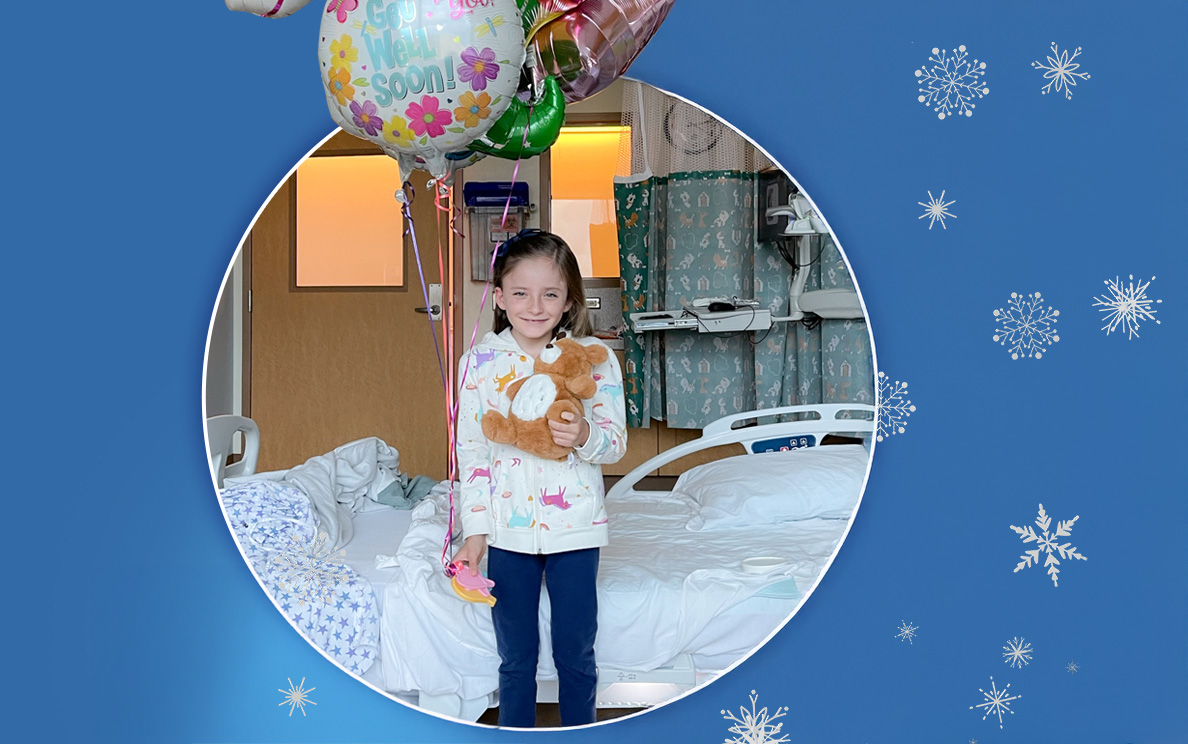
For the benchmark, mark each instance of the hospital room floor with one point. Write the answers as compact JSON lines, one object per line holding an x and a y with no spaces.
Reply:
{"x":547,"y":714}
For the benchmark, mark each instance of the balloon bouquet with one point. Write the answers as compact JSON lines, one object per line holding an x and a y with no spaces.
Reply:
{"x":440,"y":84}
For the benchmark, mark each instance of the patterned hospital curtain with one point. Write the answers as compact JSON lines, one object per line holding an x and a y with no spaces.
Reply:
{"x":682,"y":237}
{"x":826,"y":361}
{"x":709,"y":252}
{"x":772,"y":280}
{"x":654,"y":362}
{"x":847,"y":370}
{"x":637,"y":225}
{"x":687,"y":205}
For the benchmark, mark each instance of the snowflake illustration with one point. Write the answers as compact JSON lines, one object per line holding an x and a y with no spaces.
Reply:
{"x":1026,"y":325}
{"x":755,"y":727}
{"x":1017,"y":653}
{"x":907,"y":631}
{"x":996,"y":701}
{"x":1126,"y":306}
{"x":893,"y":407}
{"x":310,"y":569}
{"x":937,"y":209}
{"x":951,"y":83}
{"x":1047,"y":544}
{"x":1061,"y":72}
{"x":296,"y":697}
{"x":1073,"y":667}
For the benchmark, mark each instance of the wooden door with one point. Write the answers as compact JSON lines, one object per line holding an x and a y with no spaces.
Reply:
{"x":329,"y":366}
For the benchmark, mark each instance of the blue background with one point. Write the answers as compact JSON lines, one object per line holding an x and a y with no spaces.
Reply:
{"x":142,"y":140}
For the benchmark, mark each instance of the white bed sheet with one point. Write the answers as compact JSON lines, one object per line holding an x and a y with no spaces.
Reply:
{"x":702,"y":573}
{"x":378,"y":530}
{"x":663,"y":591}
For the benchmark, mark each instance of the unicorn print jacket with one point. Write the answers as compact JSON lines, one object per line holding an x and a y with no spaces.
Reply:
{"x":521,"y":502}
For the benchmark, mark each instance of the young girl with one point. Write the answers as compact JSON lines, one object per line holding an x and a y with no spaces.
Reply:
{"x":533,"y":517}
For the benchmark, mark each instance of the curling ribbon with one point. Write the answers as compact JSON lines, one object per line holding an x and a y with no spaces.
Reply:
{"x":452,"y":422}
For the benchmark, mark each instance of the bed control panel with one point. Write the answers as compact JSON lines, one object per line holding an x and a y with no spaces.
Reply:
{"x":783,"y":444}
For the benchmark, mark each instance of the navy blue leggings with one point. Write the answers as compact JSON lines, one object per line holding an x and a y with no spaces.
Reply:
{"x":570,"y":578}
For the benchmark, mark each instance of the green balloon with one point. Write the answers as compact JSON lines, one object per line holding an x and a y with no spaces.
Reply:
{"x":525,"y":131}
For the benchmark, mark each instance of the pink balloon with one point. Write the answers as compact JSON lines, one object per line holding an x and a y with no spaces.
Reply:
{"x":592,"y":42}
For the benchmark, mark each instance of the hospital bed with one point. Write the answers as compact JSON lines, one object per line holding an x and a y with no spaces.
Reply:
{"x":693,"y":581}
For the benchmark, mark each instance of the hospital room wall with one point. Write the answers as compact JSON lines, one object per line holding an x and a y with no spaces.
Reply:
{"x":224,"y":363}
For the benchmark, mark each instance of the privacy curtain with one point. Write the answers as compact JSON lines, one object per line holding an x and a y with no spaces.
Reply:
{"x":691,"y":235}
{"x":686,"y":208}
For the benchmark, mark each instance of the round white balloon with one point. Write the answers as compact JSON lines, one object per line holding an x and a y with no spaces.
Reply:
{"x":420,"y":78}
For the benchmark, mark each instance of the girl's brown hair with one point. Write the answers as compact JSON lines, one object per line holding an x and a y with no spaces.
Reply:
{"x":534,"y":243}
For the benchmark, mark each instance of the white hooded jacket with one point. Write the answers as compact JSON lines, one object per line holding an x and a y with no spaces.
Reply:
{"x":521,"y":502}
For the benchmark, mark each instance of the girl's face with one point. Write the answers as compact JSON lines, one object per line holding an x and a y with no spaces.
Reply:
{"x":534,"y":297}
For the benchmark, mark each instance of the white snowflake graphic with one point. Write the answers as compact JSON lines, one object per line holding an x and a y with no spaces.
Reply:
{"x":1073,"y":667}
{"x":1026,"y":325}
{"x":1047,"y":544}
{"x":296,"y":697}
{"x":907,"y":631}
{"x":996,"y":701}
{"x":1061,"y":72}
{"x":893,"y":407}
{"x":952,"y":82}
{"x":755,"y":727}
{"x":310,"y":569}
{"x":1017,"y":653}
{"x":937,"y":209}
{"x":1126,"y":306}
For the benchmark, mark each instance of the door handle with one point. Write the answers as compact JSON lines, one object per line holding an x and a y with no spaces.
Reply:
{"x":435,"y":303}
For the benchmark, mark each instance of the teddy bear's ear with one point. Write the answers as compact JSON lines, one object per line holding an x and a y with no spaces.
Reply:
{"x":596,"y":353}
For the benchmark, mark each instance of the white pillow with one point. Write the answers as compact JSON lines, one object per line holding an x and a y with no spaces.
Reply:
{"x":753,"y":490}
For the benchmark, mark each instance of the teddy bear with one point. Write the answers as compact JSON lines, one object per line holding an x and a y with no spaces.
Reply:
{"x":561,"y":380}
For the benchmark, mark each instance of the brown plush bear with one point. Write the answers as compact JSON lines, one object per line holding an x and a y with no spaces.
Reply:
{"x":561,"y":379}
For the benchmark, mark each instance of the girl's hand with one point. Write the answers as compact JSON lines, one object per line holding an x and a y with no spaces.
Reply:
{"x":472,"y":551}
{"x":570,"y":433}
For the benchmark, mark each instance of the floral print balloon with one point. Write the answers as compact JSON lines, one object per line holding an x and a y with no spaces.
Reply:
{"x":421,"y":78}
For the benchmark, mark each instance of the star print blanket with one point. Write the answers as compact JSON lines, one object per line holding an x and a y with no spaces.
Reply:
{"x":302,"y":572}
{"x":339,"y":483}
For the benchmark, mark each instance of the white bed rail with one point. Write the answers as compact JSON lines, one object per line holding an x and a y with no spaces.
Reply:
{"x":768,"y":437}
